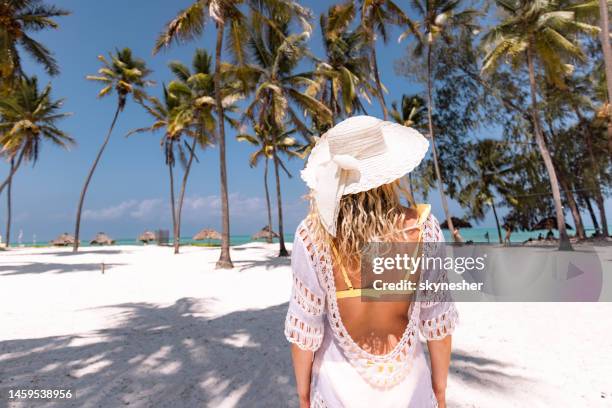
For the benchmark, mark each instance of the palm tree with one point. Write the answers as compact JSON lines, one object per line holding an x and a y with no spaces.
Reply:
{"x":597,"y":11}
{"x":411,"y":113}
{"x":484,"y":179}
{"x":126,"y":76}
{"x":343,"y":76}
{"x":376,"y":17}
{"x":9,"y":206}
{"x":266,"y":146}
{"x":604,"y":35}
{"x":195,"y":89}
{"x":187,"y":25}
{"x":28,"y":117}
{"x":167,"y":117}
{"x":538,"y":32}
{"x":18,"y":18}
{"x":264,"y":151}
{"x":437,"y":20}
{"x":277,"y":90}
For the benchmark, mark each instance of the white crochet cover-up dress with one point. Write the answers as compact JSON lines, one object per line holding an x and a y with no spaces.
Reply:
{"x":343,"y":374}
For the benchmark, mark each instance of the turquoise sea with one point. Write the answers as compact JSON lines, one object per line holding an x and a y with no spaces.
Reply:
{"x":473,"y":234}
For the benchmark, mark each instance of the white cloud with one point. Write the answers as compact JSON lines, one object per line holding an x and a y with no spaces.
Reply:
{"x":147,"y":209}
{"x":201,"y":208}
{"x":110,"y":213}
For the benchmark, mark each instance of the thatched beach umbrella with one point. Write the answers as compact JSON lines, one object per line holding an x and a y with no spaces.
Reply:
{"x":207,"y":234}
{"x":457,"y":223}
{"x":548,"y":223}
{"x":146,"y":237}
{"x":64,"y":239}
{"x":264,"y":233}
{"x":102,"y":239}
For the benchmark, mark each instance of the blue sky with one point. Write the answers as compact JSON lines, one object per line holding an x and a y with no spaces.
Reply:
{"x":129,"y":192}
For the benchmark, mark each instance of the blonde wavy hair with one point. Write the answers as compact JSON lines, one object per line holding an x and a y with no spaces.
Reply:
{"x":369,"y":216}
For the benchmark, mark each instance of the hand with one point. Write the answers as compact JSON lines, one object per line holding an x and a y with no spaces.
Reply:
{"x":305,"y":402}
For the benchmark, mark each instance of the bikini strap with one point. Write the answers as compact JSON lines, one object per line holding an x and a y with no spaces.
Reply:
{"x":347,"y":281}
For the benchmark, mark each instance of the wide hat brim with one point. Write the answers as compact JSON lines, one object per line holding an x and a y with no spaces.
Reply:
{"x":405,"y":150}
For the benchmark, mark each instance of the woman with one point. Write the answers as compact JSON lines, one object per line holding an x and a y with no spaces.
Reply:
{"x":348,"y":351}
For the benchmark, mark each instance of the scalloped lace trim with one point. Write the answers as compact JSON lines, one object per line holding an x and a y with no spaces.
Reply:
{"x":317,"y":401}
{"x":440,"y":326}
{"x":302,"y":334}
{"x":308,"y":301}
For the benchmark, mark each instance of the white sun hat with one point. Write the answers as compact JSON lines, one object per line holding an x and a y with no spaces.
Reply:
{"x":359,"y":154}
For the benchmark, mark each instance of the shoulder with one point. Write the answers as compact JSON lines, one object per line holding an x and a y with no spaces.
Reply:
{"x":302,"y":232}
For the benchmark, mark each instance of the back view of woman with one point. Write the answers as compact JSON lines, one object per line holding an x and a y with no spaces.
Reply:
{"x":348,"y":351}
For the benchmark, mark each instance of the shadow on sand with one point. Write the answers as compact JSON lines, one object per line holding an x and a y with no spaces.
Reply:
{"x":49,"y":267}
{"x":177,"y":357}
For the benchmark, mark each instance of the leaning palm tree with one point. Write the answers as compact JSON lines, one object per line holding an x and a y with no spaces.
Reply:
{"x":376,"y":17}
{"x":438,"y":19}
{"x":126,"y":76}
{"x":343,"y":75}
{"x":538,"y":34}
{"x":28,"y":117}
{"x":19,"y":18}
{"x":277,"y":91}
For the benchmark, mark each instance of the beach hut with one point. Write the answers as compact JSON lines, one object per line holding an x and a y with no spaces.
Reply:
{"x":207,"y":234}
{"x":457,"y":223}
{"x":64,"y":239}
{"x":264,"y":233}
{"x":102,"y":239}
{"x":147,"y":237}
{"x":548,"y":223}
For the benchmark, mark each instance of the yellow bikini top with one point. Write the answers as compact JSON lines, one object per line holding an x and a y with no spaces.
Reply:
{"x":423,"y":211}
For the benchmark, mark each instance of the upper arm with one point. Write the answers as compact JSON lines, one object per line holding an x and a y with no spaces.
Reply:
{"x":304,"y":321}
{"x":438,"y":314}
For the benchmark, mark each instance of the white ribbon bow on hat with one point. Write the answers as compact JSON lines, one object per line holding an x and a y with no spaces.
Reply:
{"x":327,"y":179}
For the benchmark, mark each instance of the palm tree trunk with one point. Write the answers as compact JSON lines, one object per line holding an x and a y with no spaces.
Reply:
{"x":9,"y":205}
{"x":434,"y":152}
{"x":604,"y":36}
{"x":225,"y":261}
{"x":499,"y":233}
{"x":12,"y":171}
{"x":77,"y":228}
{"x":571,"y":202}
{"x":170,"y":164}
{"x":182,"y":194}
{"x":588,"y":133}
{"x":332,"y":101}
{"x":268,"y":205}
{"x":602,"y":213}
{"x":587,"y":201}
{"x":379,"y":88}
{"x":564,"y":243}
{"x":282,"y":250}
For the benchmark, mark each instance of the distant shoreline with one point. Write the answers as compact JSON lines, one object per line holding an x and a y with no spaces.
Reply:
{"x":468,"y":234}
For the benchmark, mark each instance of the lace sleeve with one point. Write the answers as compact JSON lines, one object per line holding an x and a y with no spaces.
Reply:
{"x":304,"y":321}
{"x":438,"y":316}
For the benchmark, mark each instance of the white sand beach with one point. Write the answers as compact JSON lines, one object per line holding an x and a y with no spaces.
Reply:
{"x":159,"y":330}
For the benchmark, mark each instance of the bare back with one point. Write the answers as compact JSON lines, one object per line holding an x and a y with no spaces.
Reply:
{"x":376,"y":327}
